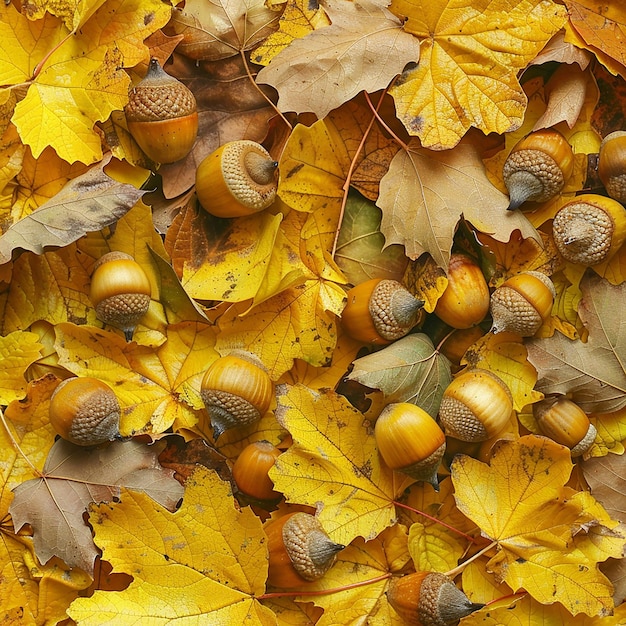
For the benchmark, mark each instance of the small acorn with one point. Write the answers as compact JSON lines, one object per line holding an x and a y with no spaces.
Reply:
{"x":300,"y":550}
{"x":465,"y":301}
{"x":120,"y":291}
{"x":251,"y":467}
{"x":537,"y":167}
{"x":380,"y":311}
{"x":409,"y":440}
{"x":475,"y":406}
{"x":236,"y":390}
{"x":590,"y":229}
{"x":239,"y":178}
{"x":612,"y":166}
{"x":522,"y":303}
{"x":85,"y":411}
{"x":565,"y":422}
{"x":161,"y":115}
{"x":429,"y":599}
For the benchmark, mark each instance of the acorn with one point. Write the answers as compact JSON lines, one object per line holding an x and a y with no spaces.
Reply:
{"x":537,"y":167}
{"x":300,"y":550}
{"x":161,"y":115}
{"x":429,"y":599}
{"x":465,"y":300}
{"x":236,"y":390}
{"x":522,"y":303}
{"x":612,"y":166}
{"x":590,"y":229}
{"x":120,"y":291}
{"x":85,"y":411}
{"x":380,"y":311}
{"x":565,"y":422}
{"x":251,"y":467}
{"x":239,"y":178}
{"x":410,"y":441}
{"x":475,"y":406}
{"x":458,"y":342}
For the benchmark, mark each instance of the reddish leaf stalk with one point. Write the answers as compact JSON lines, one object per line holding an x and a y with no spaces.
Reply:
{"x":382,"y":122}
{"x":323,"y":592}
{"x":436,"y":520}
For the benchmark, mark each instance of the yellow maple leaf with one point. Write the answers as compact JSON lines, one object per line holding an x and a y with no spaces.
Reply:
{"x":550,"y":538}
{"x":17,"y":351}
{"x":206,"y":559}
{"x":469,"y":59}
{"x":333,"y":465}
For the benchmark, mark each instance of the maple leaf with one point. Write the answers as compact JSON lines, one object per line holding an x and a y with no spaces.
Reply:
{"x":550,"y":538}
{"x":333,"y":465}
{"x":409,"y":370}
{"x":206,"y":559}
{"x":424,"y":194}
{"x":73,"y":477}
{"x":88,"y":202}
{"x":591,"y":373}
{"x":362,"y":50}
{"x":469,"y":59}
{"x":17,"y":351}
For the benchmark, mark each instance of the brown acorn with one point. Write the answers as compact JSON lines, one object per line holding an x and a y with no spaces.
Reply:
{"x":85,"y":411}
{"x":161,"y":115}
{"x":120,"y":291}
{"x":300,"y":550}
{"x":380,"y":311}
{"x":429,"y":599}
{"x":612,"y":165}
{"x":251,"y":467}
{"x":538,"y":167}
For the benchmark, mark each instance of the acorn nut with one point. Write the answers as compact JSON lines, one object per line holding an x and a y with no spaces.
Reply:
{"x":300,"y":550}
{"x":612,"y":165}
{"x":429,"y":599}
{"x":239,"y":178}
{"x":380,"y":311}
{"x":85,"y":411}
{"x":161,"y":115}
{"x":410,"y":440}
{"x":251,"y":467}
{"x":537,"y":167}
{"x":236,"y":390}
{"x":120,"y":291}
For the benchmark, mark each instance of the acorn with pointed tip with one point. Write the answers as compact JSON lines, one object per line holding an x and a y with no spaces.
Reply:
{"x":538,"y":167}
{"x":120,"y":291}
{"x":429,"y":599}
{"x":300,"y":550}
{"x":162,"y":115}
{"x":85,"y":411}
{"x":380,"y":310}
{"x":237,"y":179}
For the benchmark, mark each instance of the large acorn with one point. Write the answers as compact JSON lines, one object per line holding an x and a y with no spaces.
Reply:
{"x":612,"y":165}
{"x":239,"y":178}
{"x":161,"y":115}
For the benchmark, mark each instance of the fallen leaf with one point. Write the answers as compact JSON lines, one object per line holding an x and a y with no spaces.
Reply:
{"x":592,"y":373}
{"x":86,"y":203}
{"x":408,"y":370}
{"x":467,"y":71}
{"x":206,"y":561}
{"x":425,"y":193}
{"x":73,"y":477}
{"x":362,"y":50}
{"x":17,"y":351}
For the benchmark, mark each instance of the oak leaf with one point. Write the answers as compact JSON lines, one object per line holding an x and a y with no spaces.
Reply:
{"x":592,"y":373}
{"x":207,"y":560}
{"x":408,"y":370}
{"x":469,"y":59}
{"x":75,"y":476}
{"x":550,"y":538}
{"x":425,"y":193}
{"x":362,"y":50}
{"x":333,"y":465}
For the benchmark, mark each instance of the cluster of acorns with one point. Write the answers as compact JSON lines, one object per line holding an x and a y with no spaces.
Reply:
{"x":239,"y":179}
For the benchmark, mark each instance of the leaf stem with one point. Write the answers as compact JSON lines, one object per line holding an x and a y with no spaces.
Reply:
{"x":384,"y":124}
{"x":41,"y":63}
{"x":459,"y":568}
{"x":436,"y":520}
{"x":322,"y":592}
